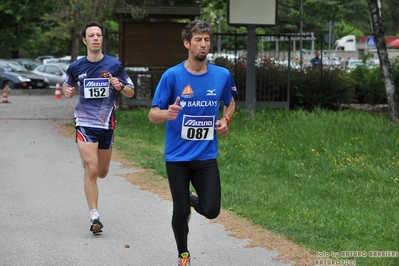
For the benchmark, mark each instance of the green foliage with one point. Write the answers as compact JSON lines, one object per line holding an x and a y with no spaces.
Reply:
{"x":20,"y":22}
{"x":48,"y":27}
{"x":343,"y":28}
{"x":308,"y":89}
{"x":110,"y":25}
{"x":390,"y":12}
{"x":394,"y":62}
{"x":369,"y":85}
{"x":325,"y":11}
{"x":311,"y":89}
{"x":45,"y":26}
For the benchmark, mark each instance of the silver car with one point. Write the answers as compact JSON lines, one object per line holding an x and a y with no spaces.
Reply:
{"x":15,"y":76}
{"x":53,"y":72}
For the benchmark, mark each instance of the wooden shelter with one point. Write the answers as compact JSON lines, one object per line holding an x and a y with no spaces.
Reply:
{"x":155,"y":40}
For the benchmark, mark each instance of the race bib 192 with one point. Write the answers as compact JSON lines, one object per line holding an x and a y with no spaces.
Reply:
{"x":95,"y":88}
{"x":198,"y":127}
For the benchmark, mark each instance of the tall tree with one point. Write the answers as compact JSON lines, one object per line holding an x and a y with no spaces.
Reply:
{"x":390,"y":9}
{"x":20,"y":23}
{"x":384,"y":61}
{"x":69,"y":17}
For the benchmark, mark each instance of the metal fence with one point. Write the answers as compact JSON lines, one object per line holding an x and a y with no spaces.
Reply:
{"x":276,"y":56}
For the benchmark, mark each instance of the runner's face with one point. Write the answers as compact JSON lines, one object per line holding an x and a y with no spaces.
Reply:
{"x":94,"y":38}
{"x":199,"y":46}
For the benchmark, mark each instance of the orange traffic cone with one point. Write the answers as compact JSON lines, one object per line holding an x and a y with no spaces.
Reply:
{"x":57,"y":94}
{"x":5,"y":95}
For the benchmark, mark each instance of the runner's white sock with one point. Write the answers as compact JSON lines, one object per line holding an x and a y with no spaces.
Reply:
{"x":94,"y":212}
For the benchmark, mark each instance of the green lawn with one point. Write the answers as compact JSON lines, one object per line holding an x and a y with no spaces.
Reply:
{"x":326,"y":180}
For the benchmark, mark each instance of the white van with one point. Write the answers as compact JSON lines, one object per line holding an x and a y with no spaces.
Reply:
{"x":346,"y":43}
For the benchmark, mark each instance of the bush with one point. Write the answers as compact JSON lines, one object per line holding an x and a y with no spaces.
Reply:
{"x":369,"y":85}
{"x":326,"y":89}
{"x":310,"y":89}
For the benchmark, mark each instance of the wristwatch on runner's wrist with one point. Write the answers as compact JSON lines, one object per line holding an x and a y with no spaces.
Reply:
{"x":122,"y":86}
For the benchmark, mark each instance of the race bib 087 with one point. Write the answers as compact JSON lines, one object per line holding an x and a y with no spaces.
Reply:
{"x":197,"y":127}
{"x":96,"y":88}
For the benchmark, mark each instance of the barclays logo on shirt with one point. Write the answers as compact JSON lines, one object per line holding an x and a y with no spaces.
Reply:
{"x":202,"y":103}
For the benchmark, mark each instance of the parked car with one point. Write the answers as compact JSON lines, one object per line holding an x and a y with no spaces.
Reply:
{"x":394,"y":44}
{"x":67,"y":59}
{"x":331,"y":63}
{"x":212,"y":57}
{"x":352,"y":64}
{"x":53,"y":72}
{"x":15,"y":76}
{"x":29,"y":64}
{"x":42,"y":57}
{"x":284,"y":64}
{"x":373,"y":63}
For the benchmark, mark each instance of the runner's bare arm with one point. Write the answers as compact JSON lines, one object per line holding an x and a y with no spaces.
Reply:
{"x":156,"y":115}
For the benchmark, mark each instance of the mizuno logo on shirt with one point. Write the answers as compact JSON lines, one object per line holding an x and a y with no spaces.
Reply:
{"x":192,"y":122}
{"x":211,"y":92}
{"x":96,"y":83}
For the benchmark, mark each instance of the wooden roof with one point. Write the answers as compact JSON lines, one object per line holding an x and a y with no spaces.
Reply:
{"x":164,"y":11}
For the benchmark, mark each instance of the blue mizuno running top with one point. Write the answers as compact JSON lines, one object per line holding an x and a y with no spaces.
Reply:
{"x":192,"y":136}
{"x":97,"y":97}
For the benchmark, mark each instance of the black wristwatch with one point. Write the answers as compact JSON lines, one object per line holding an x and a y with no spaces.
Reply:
{"x":122,"y":86}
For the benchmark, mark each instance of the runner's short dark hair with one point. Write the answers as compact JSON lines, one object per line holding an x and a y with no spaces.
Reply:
{"x":196,"y":26}
{"x":92,"y":24}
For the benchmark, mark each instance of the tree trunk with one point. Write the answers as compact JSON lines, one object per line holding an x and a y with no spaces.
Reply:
{"x":75,"y":44}
{"x":384,"y":60}
{"x":76,"y":36}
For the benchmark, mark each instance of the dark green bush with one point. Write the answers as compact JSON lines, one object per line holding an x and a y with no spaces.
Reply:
{"x":369,"y":85}
{"x":326,"y":89}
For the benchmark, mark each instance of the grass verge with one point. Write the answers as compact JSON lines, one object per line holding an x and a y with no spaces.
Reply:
{"x":326,"y":180}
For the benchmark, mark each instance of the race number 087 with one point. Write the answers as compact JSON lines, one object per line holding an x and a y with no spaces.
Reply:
{"x":199,"y":133}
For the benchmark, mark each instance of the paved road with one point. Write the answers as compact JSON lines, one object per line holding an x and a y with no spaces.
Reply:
{"x":43,"y":213}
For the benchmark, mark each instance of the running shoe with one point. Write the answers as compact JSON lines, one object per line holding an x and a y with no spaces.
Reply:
{"x":184,"y":259}
{"x":193,"y":198}
{"x":95,"y":225}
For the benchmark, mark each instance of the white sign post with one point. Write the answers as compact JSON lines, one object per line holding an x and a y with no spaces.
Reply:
{"x":252,"y":14}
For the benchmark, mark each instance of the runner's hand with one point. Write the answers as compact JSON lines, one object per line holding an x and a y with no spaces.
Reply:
{"x":173,"y":110}
{"x":69,"y":92}
{"x":114,"y":82}
{"x":221,"y":128}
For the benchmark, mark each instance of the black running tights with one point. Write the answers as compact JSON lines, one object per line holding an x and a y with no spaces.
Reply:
{"x":205,"y":178}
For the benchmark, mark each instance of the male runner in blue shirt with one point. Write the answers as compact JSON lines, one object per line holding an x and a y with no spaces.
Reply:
{"x":188,"y":98}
